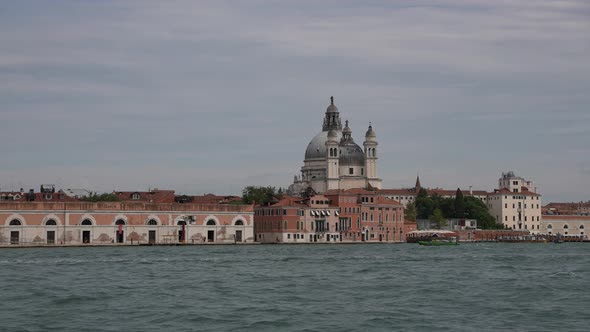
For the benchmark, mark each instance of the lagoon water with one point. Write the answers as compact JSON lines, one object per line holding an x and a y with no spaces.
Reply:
{"x":373,"y":287}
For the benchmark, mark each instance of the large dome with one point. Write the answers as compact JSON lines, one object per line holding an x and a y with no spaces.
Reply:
{"x":316,"y":149}
{"x":351,"y":154}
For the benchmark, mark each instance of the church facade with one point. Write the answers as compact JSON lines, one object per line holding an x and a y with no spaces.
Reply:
{"x":333,"y":161}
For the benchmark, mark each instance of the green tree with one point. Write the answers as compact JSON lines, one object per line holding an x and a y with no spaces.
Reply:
{"x":447,"y":206}
{"x":476,"y":209}
{"x":410,"y":212}
{"x":424,"y":204}
{"x":260,"y":195}
{"x":459,"y":204}
{"x":438,"y":218}
{"x":93,"y":197}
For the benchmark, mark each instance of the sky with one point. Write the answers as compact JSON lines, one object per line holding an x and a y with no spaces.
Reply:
{"x":211,"y":96}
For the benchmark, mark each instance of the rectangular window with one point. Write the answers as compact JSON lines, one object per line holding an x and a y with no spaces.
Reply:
{"x":288,"y":236}
{"x":350,"y":170}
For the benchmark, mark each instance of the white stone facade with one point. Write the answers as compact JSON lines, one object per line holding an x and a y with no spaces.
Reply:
{"x":566,"y":225}
{"x":514,"y":205}
{"x":115,"y":223}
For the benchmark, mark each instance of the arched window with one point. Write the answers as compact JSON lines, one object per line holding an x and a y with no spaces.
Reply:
{"x":181,"y":222}
{"x":239,"y":223}
{"x":15,"y":222}
{"x":50,"y":222}
{"x":581,"y":227}
{"x":565,"y":226}
{"x":211,"y":222}
{"x":152,"y":222}
{"x":120,"y":222}
{"x":549,"y":226}
{"x":86,"y":222}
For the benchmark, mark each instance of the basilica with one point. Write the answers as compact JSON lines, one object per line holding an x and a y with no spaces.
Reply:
{"x":333,"y":161}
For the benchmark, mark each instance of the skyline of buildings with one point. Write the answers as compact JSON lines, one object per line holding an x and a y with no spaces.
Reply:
{"x":338,"y":198}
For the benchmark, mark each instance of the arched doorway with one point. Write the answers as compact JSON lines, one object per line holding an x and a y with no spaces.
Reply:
{"x":120,"y":233}
{"x":182,"y":231}
{"x":211,"y":232}
{"x":239,"y":237}
{"x":15,"y":234}
{"x":51,"y":224}
{"x":86,"y":233}
{"x":152,"y":232}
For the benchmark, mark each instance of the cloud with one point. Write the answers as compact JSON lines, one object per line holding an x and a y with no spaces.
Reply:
{"x":224,"y":94}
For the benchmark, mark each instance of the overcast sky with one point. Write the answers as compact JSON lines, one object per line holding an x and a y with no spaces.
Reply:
{"x":211,"y":96}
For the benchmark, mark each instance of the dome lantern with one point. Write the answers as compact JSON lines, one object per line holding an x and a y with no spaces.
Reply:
{"x":370,"y":135}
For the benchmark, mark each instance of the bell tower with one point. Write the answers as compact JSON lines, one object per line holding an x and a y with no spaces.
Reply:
{"x":332,"y":161}
{"x":370,"y":147}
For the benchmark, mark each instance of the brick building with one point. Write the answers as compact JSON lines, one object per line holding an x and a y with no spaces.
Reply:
{"x":353,"y":215}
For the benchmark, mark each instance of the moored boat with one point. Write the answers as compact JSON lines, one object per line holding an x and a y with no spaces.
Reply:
{"x":453,"y":241}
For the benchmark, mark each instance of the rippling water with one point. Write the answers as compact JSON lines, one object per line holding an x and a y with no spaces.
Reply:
{"x":372,"y":287}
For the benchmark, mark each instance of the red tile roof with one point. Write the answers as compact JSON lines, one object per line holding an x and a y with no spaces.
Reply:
{"x":565,"y":217}
{"x":289,"y":201}
{"x":214,"y":199}
{"x":58,"y":196}
{"x":431,"y":191}
{"x":505,"y":191}
{"x":154,"y":196}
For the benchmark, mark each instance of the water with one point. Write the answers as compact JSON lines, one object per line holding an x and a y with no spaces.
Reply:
{"x":484,"y":286}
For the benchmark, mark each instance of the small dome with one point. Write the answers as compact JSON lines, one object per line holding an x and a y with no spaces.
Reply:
{"x":351,"y":154}
{"x":332,"y":108}
{"x":370,"y":132}
{"x":346,"y":129}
